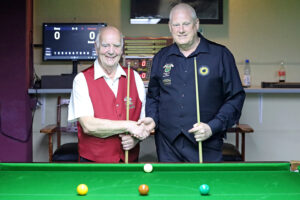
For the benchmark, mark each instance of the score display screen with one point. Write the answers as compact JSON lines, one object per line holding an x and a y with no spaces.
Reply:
{"x":70,"y":41}
{"x":142,"y":65}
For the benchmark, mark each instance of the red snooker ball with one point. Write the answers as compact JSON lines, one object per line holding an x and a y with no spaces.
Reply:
{"x":143,"y":189}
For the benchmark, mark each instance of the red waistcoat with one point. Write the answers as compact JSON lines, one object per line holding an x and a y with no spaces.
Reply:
{"x":107,"y":106}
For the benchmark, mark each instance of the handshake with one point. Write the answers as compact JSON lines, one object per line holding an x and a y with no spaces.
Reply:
{"x":142,"y":128}
{"x":137,"y":131}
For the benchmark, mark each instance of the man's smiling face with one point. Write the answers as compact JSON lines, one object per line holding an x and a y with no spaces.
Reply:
{"x":110,"y":48}
{"x":183,"y":28}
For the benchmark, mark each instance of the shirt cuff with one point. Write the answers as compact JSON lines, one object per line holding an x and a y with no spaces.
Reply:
{"x":155,"y":121}
{"x":215,"y":125}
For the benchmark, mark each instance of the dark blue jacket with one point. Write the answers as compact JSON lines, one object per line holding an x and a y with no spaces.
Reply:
{"x":171,"y":97}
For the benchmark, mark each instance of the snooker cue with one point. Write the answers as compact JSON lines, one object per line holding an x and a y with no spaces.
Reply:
{"x":127,"y":105}
{"x":198,"y":107}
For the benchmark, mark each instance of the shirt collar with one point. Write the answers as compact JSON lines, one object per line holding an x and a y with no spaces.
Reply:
{"x":203,"y":47}
{"x":99,"y":72}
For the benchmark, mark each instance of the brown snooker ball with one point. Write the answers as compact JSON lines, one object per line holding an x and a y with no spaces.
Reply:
{"x":143,"y":189}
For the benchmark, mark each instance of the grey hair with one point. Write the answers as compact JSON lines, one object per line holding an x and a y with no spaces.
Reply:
{"x":97,"y":41}
{"x":183,"y":6}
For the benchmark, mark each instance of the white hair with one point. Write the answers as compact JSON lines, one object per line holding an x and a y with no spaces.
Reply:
{"x":186,"y":7}
{"x":97,"y":41}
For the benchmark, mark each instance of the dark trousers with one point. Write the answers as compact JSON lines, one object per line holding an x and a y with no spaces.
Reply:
{"x":82,"y":159}
{"x":182,"y":149}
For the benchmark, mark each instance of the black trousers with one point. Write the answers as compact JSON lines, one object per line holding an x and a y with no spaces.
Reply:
{"x":82,"y":159}
{"x":182,"y":149}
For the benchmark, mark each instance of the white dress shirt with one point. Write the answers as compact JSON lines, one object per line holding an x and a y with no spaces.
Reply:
{"x":80,"y":102}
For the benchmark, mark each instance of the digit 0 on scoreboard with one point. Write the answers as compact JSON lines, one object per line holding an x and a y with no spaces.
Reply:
{"x":143,"y":75}
{"x":143,"y":63}
{"x":140,"y":64}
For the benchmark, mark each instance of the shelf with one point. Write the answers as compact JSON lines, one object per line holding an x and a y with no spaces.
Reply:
{"x":247,"y":90}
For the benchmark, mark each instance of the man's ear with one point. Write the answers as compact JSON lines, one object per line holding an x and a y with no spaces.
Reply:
{"x":170,"y":27}
{"x":197,"y":23}
{"x":95,"y":45}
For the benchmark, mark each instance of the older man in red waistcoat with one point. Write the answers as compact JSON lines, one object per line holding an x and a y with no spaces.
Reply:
{"x":98,"y":103}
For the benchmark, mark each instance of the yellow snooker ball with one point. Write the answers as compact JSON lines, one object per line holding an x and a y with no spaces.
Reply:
{"x":82,"y":189}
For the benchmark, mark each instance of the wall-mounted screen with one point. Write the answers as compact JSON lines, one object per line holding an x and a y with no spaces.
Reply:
{"x":70,"y":41}
{"x":157,"y":11}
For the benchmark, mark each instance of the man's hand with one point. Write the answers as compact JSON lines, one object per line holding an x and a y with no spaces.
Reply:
{"x":148,"y":122}
{"x":128,"y":142}
{"x":201,"y":131}
{"x":138,"y":131}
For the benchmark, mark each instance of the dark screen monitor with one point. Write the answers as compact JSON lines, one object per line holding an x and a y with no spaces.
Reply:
{"x":157,"y":11}
{"x":70,"y":41}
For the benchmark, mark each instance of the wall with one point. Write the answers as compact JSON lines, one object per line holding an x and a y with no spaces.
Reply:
{"x":264,"y":31}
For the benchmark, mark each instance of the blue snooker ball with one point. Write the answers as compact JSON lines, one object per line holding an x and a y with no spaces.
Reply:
{"x":204,"y":189}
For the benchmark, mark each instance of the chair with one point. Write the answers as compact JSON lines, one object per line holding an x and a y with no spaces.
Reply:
{"x":64,"y":153}
{"x":232,"y":152}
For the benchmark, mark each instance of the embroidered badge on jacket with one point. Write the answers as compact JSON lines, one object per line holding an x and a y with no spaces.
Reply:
{"x":166,"y":79}
{"x":167,"y":69}
{"x":204,"y":70}
{"x":131,"y":105}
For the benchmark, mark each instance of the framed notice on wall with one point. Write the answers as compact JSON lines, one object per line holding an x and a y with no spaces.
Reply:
{"x":157,"y":11}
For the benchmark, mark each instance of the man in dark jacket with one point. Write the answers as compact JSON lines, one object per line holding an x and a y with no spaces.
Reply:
{"x":171,"y":98}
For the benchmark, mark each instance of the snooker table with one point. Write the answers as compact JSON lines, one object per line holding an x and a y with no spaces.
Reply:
{"x":234,"y":181}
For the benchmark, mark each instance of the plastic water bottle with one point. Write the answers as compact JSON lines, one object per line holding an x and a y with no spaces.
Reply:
{"x":281,"y":72}
{"x":247,"y":74}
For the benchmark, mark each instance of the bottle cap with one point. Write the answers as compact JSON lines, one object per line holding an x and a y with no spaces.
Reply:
{"x":247,"y":61}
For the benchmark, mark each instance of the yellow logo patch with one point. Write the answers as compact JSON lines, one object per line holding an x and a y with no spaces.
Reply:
{"x":204,"y":70}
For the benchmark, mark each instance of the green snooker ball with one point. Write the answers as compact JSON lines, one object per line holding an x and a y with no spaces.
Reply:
{"x":204,"y":189}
